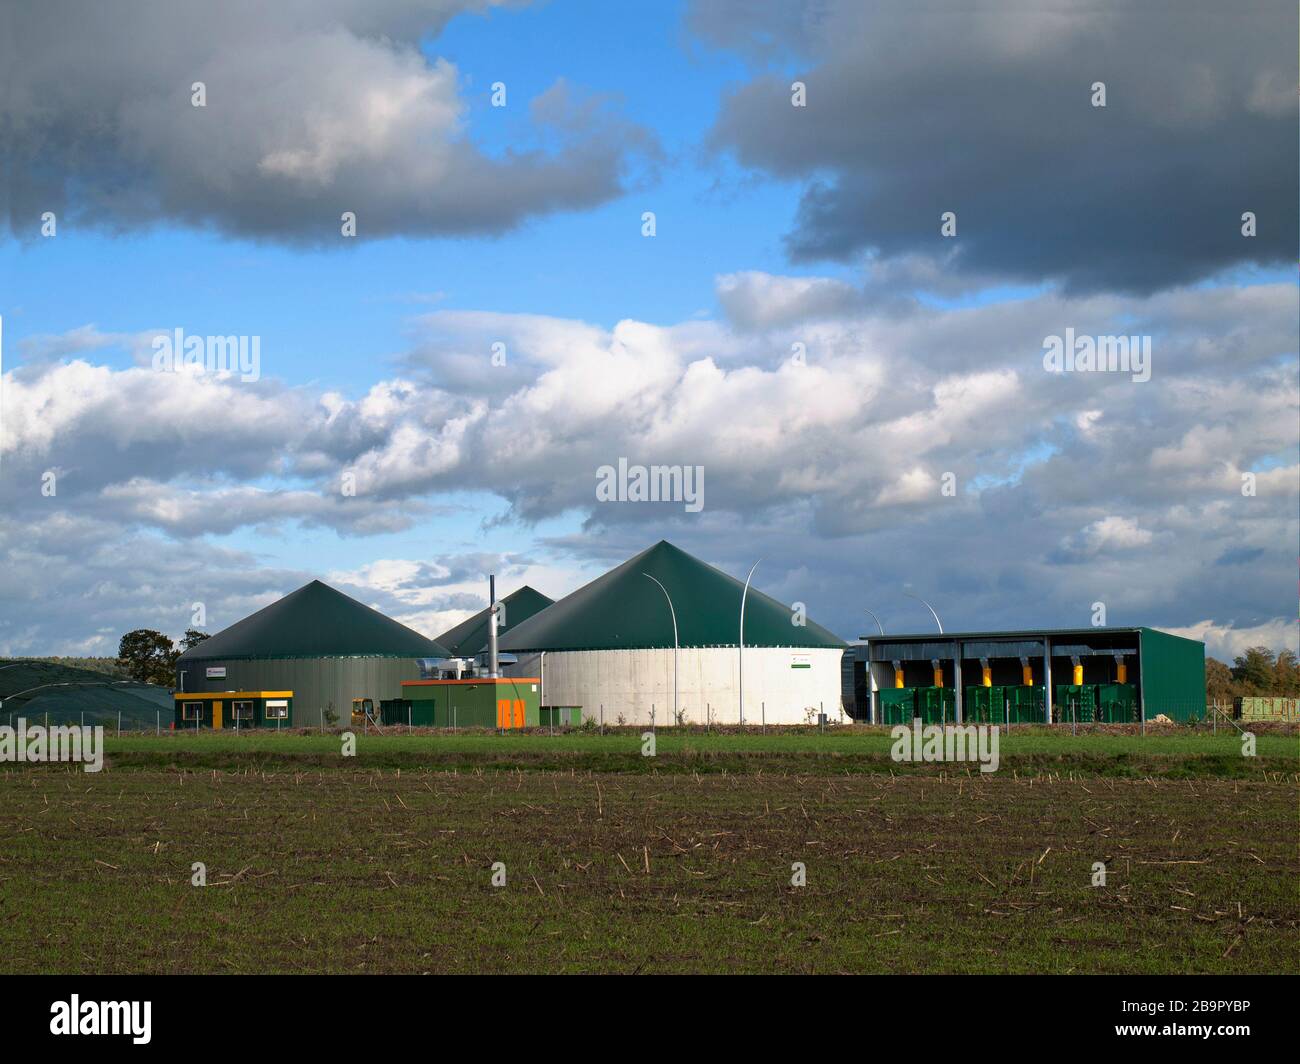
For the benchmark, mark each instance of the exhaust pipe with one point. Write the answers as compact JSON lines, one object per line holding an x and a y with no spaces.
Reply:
{"x":493,"y":661}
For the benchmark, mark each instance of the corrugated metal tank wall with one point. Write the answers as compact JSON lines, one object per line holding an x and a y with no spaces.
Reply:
{"x":631,"y":681}
{"x":315,"y":682}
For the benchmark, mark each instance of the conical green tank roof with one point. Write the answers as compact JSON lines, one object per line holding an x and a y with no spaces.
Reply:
{"x":316,"y":621}
{"x":624,"y":610}
{"x":470,"y":637}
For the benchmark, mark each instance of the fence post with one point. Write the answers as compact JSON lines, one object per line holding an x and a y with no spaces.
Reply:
{"x":157,"y":721}
{"x":763,"y":710}
{"x":119,"y":721}
{"x":602,"y":718}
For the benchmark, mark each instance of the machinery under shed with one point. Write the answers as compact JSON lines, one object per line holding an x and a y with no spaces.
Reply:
{"x":1062,"y":676}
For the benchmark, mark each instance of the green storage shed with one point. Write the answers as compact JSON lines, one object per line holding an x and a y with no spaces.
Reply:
{"x":1112,"y":675}
{"x":509,"y":702}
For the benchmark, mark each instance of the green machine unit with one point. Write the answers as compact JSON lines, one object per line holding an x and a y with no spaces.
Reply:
{"x":902,"y":705}
{"x":897,"y":705}
{"x":1003,"y":704}
{"x":983,"y":705}
{"x":1096,"y":703}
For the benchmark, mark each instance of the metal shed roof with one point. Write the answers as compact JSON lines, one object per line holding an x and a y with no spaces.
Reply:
{"x":624,"y":610}
{"x":316,"y":621}
{"x":1027,"y":642}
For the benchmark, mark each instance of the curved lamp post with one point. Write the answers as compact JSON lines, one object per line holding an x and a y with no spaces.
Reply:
{"x":928,"y":607}
{"x":673,"y":612}
{"x":743,"y":595}
{"x":876,"y":619}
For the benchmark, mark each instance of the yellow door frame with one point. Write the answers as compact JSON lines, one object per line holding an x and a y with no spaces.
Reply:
{"x":216,"y":715}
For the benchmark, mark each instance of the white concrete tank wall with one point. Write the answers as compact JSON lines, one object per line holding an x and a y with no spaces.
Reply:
{"x":629,"y":682}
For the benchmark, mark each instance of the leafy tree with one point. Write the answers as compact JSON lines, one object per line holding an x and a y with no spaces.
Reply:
{"x":1255,"y":671}
{"x":148,"y":656}
{"x":192,"y":638}
{"x":1219,"y":684}
{"x":1286,"y":674}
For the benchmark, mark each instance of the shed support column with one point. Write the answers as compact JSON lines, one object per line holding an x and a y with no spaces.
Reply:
{"x":1047,"y":679}
{"x":1142,"y":690}
{"x":958,"y":712}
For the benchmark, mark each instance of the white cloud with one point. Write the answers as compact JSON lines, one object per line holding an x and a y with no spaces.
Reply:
{"x":1225,"y":641}
{"x":1090,"y":489}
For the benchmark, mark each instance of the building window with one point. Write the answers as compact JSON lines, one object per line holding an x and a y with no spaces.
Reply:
{"x":242,"y":710}
{"x":277,"y":709}
{"x":191,"y":711}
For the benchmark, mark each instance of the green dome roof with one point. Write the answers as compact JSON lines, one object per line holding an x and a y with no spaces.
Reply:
{"x":624,"y":610}
{"x":316,"y":621}
{"x":470,"y":637}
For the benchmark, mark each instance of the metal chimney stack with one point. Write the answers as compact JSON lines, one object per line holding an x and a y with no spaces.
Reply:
{"x":493,"y":670}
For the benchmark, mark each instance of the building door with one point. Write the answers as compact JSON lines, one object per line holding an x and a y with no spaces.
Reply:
{"x":519,"y":712}
{"x":216,"y":715}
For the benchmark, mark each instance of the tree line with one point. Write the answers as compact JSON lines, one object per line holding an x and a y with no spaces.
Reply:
{"x":1259,"y":671}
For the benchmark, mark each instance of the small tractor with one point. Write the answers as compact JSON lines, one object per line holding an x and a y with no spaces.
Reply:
{"x":363,"y":709}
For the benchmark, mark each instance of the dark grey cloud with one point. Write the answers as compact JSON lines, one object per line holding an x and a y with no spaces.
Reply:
{"x":313,"y":109}
{"x":984,"y":110}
